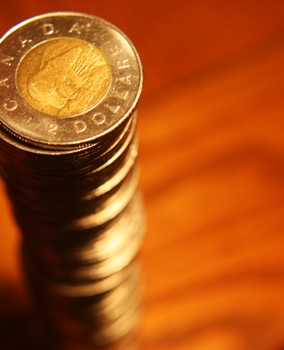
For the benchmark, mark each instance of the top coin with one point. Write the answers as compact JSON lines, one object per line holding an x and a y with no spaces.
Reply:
{"x":66,"y":79}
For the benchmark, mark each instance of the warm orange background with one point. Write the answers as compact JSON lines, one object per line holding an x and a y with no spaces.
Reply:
{"x":212,"y":156}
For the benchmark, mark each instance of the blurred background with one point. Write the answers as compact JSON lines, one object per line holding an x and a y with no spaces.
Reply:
{"x":212,"y":172}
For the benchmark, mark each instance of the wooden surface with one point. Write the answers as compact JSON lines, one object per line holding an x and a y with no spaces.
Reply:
{"x":212,"y":157}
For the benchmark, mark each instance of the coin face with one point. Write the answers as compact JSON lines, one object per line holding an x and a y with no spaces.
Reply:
{"x":66,"y":79}
{"x":63,"y":77}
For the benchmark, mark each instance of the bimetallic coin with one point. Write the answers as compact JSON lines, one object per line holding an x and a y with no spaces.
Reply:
{"x":66,"y":78}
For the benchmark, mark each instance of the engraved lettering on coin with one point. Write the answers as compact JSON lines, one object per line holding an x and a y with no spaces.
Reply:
{"x":98,"y":118}
{"x":114,"y":50}
{"x":63,"y":77}
{"x":113,"y":109}
{"x":7,"y":60}
{"x":10,"y":105}
{"x":79,"y":28}
{"x":52,"y":127}
{"x":123,"y":64}
{"x":24,"y":41}
{"x":3,"y":82}
{"x":125,"y":79}
{"x":79,"y":126}
{"x":121,"y":95}
{"x":48,"y":29}
{"x":76,"y":28}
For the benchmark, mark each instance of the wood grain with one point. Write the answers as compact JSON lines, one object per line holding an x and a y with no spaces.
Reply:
{"x":212,"y":159}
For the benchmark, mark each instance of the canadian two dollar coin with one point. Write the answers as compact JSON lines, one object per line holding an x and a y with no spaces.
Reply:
{"x":66,"y":79}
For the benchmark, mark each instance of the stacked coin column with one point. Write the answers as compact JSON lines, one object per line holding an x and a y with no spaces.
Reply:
{"x":69,"y":88}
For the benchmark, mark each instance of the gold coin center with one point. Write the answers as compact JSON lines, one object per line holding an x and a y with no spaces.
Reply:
{"x":63,"y":77}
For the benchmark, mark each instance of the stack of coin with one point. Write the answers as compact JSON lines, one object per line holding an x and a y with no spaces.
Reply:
{"x":69,"y":85}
